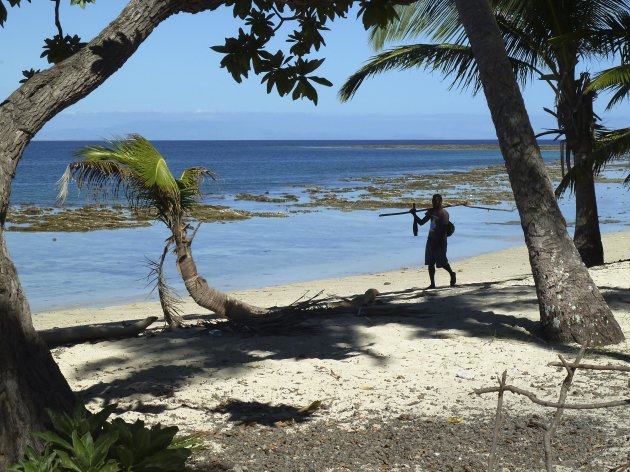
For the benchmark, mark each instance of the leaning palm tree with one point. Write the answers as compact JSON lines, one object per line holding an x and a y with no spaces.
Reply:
{"x":135,"y":168}
{"x":543,"y":39}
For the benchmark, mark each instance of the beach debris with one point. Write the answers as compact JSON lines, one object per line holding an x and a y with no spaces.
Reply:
{"x":81,"y":334}
{"x":366,"y":299}
{"x":365,"y":387}
{"x":465,"y":374}
{"x":283,"y":424}
{"x":311,"y":407}
{"x":455,"y":419}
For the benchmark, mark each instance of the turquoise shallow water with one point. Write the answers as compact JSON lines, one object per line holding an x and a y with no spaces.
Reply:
{"x":109,"y":267}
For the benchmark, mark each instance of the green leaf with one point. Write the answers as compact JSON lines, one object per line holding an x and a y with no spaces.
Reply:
{"x":58,"y":48}
{"x":242,"y":8}
{"x":83,"y":448}
{"x":28,"y":74}
{"x":67,"y":462}
{"x":3,"y":10}
{"x":53,"y":438}
{"x":81,"y":3}
{"x":34,"y":461}
{"x":321,"y":81}
{"x":62,"y":423}
{"x":103,"y":445}
{"x":3,"y":14}
{"x":97,"y":421}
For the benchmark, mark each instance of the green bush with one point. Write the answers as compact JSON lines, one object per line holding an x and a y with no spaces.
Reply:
{"x":87,"y":442}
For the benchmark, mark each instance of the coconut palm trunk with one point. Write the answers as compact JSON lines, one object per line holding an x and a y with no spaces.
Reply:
{"x":587,"y":236}
{"x":202,"y":293}
{"x":571,"y":306}
{"x":576,"y":118}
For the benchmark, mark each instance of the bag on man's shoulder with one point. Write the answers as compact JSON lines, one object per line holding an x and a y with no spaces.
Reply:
{"x":450,"y":229}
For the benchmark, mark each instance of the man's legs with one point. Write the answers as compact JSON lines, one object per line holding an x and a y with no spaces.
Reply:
{"x":432,"y":275}
{"x":448,"y":269}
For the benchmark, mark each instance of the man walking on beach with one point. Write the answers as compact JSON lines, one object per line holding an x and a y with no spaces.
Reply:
{"x":435,"y":252}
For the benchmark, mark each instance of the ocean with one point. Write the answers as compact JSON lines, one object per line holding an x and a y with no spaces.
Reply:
{"x":63,"y":270}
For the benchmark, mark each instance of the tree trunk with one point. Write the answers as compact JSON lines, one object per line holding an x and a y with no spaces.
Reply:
{"x":30,"y":381}
{"x":83,"y":334}
{"x":576,"y":118}
{"x":571,"y":306}
{"x":198,"y":288}
{"x":587,"y":236}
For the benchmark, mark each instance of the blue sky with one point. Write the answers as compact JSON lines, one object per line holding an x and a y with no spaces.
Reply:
{"x":173,"y":88}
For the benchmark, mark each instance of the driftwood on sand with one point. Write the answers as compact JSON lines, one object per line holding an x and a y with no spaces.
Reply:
{"x":80,"y":334}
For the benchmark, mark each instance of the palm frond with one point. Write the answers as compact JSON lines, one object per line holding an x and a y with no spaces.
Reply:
{"x":149,"y":165}
{"x":454,"y":61}
{"x":143,"y":160}
{"x":132,"y":164}
{"x":194,"y":177}
{"x":610,"y":146}
{"x":617,"y":80}
{"x":190,"y":184}
{"x":431,"y":18}
{"x":169,"y":300}
{"x":610,"y":77}
{"x":97,"y":177}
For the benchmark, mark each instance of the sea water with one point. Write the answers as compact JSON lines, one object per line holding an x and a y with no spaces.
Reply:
{"x":98,"y":268}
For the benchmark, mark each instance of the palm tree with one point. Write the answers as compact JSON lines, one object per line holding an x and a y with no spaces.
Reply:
{"x":543,"y":39}
{"x":136,"y":168}
{"x":571,"y":306}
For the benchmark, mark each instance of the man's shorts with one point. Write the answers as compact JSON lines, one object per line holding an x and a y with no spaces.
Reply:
{"x":435,"y":253}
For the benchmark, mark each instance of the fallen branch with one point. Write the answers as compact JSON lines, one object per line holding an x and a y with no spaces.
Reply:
{"x":621,"y":368}
{"x":81,"y":334}
{"x":535,"y":399}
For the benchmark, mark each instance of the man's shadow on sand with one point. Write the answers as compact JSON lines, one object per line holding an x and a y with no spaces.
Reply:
{"x":172,"y":359}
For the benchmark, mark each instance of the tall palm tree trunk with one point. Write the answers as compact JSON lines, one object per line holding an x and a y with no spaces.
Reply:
{"x":571,"y":306}
{"x":575,"y":117}
{"x":587,"y":236}
{"x":202,"y":293}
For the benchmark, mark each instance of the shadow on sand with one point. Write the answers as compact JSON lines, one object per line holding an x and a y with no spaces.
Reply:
{"x":172,"y":358}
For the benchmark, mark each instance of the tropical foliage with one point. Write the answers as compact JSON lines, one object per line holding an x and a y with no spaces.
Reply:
{"x":87,"y":442}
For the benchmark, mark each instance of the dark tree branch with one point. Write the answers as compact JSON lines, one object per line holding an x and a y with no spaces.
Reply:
{"x":57,"y":22}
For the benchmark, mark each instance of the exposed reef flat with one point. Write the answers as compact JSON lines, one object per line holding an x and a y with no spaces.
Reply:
{"x":438,"y":147}
{"x":486,"y":186}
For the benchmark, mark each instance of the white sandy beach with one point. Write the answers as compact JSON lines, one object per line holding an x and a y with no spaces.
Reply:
{"x":426,"y":360}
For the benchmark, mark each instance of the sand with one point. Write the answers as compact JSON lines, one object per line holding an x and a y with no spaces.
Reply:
{"x":424,"y":361}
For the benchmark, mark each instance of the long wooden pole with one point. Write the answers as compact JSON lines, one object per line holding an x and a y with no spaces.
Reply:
{"x":447,"y":206}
